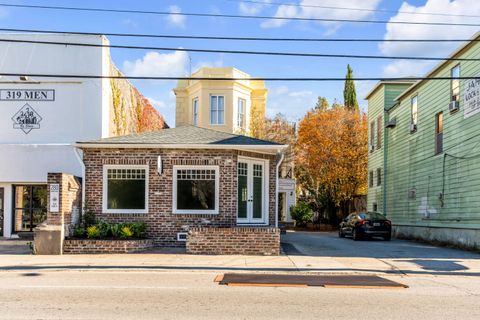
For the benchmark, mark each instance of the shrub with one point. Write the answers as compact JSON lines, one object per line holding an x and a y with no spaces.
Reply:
{"x":115,"y":230}
{"x":88,"y":218}
{"x":104,"y":229}
{"x":301,"y":213}
{"x":139,"y":229}
{"x":93,"y":232}
{"x":126,"y":232}
{"x":79,"y":232}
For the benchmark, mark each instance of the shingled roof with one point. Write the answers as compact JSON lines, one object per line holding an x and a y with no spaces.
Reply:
{"x":188,"y":136}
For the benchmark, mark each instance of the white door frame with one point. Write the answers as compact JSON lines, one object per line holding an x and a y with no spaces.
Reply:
{"x":265,"y":191}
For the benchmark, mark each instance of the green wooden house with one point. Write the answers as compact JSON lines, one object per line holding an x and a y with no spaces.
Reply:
{"x":424,"y":152}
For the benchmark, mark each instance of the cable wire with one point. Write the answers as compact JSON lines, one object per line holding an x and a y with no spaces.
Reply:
{"x":268,"y":53}
{"x":215,"y":15}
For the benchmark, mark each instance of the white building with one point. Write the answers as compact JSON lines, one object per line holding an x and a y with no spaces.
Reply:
{"x":41,"y":117}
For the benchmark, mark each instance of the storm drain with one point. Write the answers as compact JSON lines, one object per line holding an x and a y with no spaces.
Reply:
{"x":290,"y":280}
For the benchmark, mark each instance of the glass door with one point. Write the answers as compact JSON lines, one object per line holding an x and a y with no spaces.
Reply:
{"x":30,"y":206}
{"x":251,"y":192}
{"x":2,"y":208}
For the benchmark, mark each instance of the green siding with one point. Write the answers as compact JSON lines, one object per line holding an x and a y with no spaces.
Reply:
{"x":413,"y":165}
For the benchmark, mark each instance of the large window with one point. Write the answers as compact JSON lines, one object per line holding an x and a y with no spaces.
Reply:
{"x":125,"y":189}
{"x":195,"y":189}
{"x":30,"y":206}
{"x":379,"y":177}
{"x":370,"y":179}
{"x":217,"y":109}
{"x":241,"y":113}
{"x":195,"y":111}
{"x":414,"y":113}
{"x":372,"y":135}
{"x":439,"y":133}
{"x":455,"y":83}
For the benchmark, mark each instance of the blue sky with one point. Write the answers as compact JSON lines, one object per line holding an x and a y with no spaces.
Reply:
{"x":290,"y":98}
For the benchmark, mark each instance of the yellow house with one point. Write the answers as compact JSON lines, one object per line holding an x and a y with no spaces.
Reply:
{"x":225,"y":105}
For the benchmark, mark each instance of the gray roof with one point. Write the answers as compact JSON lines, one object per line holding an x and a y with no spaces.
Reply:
{"x":188,"y":135}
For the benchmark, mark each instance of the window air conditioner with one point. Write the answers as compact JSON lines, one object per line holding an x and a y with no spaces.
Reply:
{"x":413,"y":127}
{"x":453,"y":106}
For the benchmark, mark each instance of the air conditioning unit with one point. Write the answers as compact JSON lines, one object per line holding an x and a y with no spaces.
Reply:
{"x":392,"y":123}
{"x":372,"y":148}
{"x":453,"y":106}
{"x":413,"y":127}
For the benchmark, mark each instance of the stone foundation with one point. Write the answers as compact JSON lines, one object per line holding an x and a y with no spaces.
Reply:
{"x":87,"y":246}
{"x":236,"y":240}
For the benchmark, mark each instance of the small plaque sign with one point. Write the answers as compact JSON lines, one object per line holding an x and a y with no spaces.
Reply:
{"x":27,"y":95}
{"x":55,"y":197}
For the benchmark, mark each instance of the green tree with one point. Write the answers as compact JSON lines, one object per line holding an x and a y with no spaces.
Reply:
{"x":322,"y":104}
{"x":349,"y":93}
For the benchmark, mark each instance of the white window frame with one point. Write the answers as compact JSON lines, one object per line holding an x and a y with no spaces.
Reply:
{"x":217,"y":190}
{"x":105,"y":186}
{"x":195,"y":110}
{"x":216,"y":111}
{"x":414,"y":115}
{"x":243,"y":114}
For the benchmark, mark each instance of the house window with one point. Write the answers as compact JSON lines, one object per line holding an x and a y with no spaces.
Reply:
{"x":379,"y":177}
{"x":195,"y":112}
{"x":379,"y":131}
{"x":217,"y":109}
{"x":372,"y":135}
{"x":195,"y":189}
{"x":414,"y":113}
{"x":439,"y":133}
{"x":370,"y":179}
{"x":375,"y":206}
{"x":455,"y":83}
{"x":125,"y":189}
{"x":241,"y":113}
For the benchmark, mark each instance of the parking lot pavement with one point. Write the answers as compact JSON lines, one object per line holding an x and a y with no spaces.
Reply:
{"x":377,"y":256}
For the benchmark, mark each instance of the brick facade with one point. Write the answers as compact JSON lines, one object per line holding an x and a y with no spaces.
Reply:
{"x":244,"y":241}
{"x":69,"y":202}
{"x":74,"y":246}
{"x":162,"y":224}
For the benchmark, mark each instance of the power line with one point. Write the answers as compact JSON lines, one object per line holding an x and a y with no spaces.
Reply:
{"x":215,"y":15}
{"x":355,"y":9}
{"x":268,"y":53}
{"x":318,"y":79}
{"x":140,"y":35}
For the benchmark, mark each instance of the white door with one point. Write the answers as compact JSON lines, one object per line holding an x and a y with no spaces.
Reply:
{"x":251,"y":205}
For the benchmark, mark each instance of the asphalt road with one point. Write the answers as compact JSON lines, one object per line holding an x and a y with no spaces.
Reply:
{"x":149,"y":293}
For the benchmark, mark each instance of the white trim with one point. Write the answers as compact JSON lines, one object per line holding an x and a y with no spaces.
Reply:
{"x":217,"y":190}
{"x":279,"y":163}
{"x":266,"y":192}
{"x":104,"y":191}
{"x":270,"y":147}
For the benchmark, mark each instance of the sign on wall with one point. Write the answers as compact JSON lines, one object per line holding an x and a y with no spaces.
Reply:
{"x":27,"y":95}
{"x":55,"y":197}
{"x":26,"y":119}
{"x":471,"y":97}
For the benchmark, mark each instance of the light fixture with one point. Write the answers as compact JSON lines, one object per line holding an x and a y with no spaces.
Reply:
{"x":159,"y":165}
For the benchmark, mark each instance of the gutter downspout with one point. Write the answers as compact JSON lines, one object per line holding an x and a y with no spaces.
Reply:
{"x":279,"y":163}
{"x":80,"y":160}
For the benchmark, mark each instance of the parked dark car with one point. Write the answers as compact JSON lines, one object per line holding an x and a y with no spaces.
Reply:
{"x":362,"y":225}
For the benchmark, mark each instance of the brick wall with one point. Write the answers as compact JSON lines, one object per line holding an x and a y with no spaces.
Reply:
{"x":244,"y":241}
{"x":74,"y":246}
{"x":162,"y":224}
{"x":69,"y":202}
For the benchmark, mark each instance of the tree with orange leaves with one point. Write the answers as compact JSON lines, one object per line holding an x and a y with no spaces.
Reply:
{"x":332,"y":158}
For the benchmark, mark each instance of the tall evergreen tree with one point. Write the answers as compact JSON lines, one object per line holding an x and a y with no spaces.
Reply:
{"x":349,"y":93}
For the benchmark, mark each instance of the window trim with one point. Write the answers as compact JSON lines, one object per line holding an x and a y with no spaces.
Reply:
{"x":372,"y":136}
{"x":437,"y":132}
{"x":174,"y":190}
{"x":105,"y":187}
{"x":453,"y":79}
{"x":379,"y":177}
{"x":379,"y":132}
{"x":244,"y":113}
{"x":371,"y":179}
{"x":195,"y":111}
{"x":210,"y":110}
{"x":412,"y":120}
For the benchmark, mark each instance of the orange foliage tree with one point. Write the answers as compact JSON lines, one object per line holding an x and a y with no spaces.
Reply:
{"x":332,"y":158}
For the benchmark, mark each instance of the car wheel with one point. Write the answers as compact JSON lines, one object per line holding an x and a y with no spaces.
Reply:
{"x":355,"y":235}
{"x":387,"y":238}
{"x":341,"y":234}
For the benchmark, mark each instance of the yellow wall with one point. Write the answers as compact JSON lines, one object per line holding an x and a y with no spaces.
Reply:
{"x":254,"y":93}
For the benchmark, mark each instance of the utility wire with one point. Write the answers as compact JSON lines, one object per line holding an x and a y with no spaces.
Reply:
{"x":215,"y":15}
{"x":77,"y":76}
{"x":268,"y":53}
{"x":140,"y":35}
{"x":354,"y":9}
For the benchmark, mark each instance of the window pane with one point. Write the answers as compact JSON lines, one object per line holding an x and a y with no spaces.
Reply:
{"x":242,"y":196}
{"x":126,"y":193}
{"x":221,"y":104}
{"x":257,"y":197}
{"x":220,"y":117}
{"x":414,"y":110}
{"x":196,"y":194}
{"x":39,"y":197}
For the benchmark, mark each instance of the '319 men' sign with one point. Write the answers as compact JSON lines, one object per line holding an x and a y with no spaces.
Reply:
{"x":27,"y":95}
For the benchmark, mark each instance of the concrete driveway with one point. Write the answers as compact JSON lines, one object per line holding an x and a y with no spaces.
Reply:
{"x":396,"y":256}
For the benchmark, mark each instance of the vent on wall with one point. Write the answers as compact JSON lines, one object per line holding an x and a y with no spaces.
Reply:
{"x":392,"y":123}
{"x":182,"y":236}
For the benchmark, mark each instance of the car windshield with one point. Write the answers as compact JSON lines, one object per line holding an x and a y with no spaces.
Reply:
{"x":371,"y":216}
